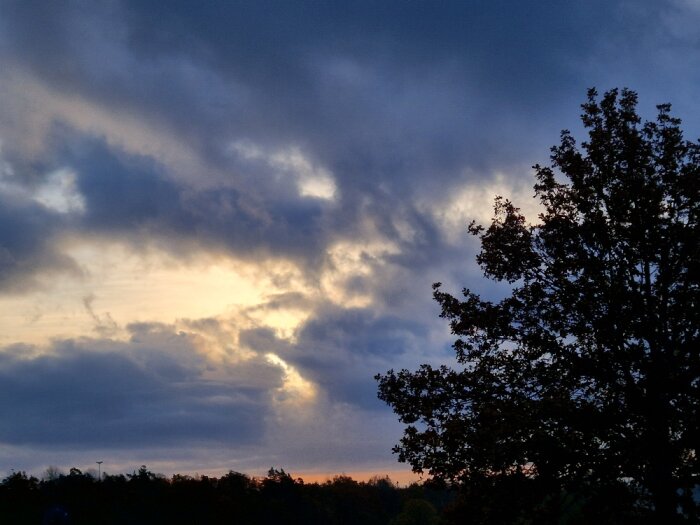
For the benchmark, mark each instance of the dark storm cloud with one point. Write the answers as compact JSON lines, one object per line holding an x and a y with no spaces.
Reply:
{"x":149,"y":392}
{"x":398,"y":100}
{"x":26,"y":231}
{"x":132,"y":197}
{"x":342,"y":349}
{"x":359,"y":329}
{"x":384,"y":91}
{"x":392,"y":92}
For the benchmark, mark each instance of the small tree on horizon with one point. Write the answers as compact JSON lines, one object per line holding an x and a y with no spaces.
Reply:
{"x":588,"y":373}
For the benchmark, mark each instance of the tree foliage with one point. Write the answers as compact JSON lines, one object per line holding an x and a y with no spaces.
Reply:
{"x":147,"y":498}
{"x":588,"y":373}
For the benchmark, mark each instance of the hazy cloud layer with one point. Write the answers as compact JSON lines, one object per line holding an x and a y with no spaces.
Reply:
{"x":338,"y":149}
{"x":147,"y":392}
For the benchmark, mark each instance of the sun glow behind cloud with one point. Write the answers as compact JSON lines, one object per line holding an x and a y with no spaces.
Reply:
{"x":123,"y":286}
{"x":210,"y":297}
{"x":113,"y":285}
{"x":350,"y":267}
{"x":295,"y":390}
{"x":474,"y":201}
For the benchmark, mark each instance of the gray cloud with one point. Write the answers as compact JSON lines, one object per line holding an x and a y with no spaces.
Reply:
{"x":104,"y":324}
{"x":342,"y":349}
{"x":389,"y":92}
{"x":148,"y":392}
{"x":133,"y":196}
{"x":26,"y":248}
{"x":397,"y":101}
{"x":151,"y":398}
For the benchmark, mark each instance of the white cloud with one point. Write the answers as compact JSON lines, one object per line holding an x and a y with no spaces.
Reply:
{"x":60,"y":193}
{"x":311,"y":179}
{"x":295,"y":391}
{"x":474,"y":201}
{"x":57,"y":190}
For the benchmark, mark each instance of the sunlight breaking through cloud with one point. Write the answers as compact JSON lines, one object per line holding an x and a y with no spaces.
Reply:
{"x":295,"y":390}
{"x":351,"y":266}
{"x":311,"y":180}
{"x":474,"y":201}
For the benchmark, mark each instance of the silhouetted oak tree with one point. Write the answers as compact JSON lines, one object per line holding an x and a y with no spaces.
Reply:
{"x":588,"y":373}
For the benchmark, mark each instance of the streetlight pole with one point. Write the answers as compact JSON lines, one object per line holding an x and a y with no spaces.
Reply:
{"x":99,"y":470}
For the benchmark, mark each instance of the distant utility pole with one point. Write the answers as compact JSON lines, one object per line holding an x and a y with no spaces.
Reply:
{"x":99,"y":470}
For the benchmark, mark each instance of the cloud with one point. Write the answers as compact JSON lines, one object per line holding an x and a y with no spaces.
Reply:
{"x":341,"y":349}
{"x":151,"y":391}
{"x":158,"y":393}
{"x":133,"y":197}
{"x":280,"y":113}
{"x":27,"y":249}
{"x":105,"y":326}
{"x":412,"y":97}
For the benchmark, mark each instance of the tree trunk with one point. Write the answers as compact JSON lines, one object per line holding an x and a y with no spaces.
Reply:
{"x":660,"y":479}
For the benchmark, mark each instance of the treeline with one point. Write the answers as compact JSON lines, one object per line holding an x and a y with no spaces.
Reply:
{"x":144,"y":497}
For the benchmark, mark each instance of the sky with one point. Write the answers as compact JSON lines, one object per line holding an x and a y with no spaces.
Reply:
{"x":219,"y":220}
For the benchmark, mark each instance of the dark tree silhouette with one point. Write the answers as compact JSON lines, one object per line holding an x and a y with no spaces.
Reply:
{"x":588,"y":373}
{"x":144,"y":497}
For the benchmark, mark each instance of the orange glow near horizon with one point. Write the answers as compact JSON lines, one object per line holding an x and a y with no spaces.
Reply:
{"x":400,"y":477}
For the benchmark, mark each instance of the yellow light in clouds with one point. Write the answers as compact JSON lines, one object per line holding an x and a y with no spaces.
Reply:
{"x":348,"y":261}
{"x":119,"y":286}
{"x":474,"y":201}
{"x":156,"y":286}
{"x":283,"y":321}
{"x":295,"y":389}
{"x":312,"y":181}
